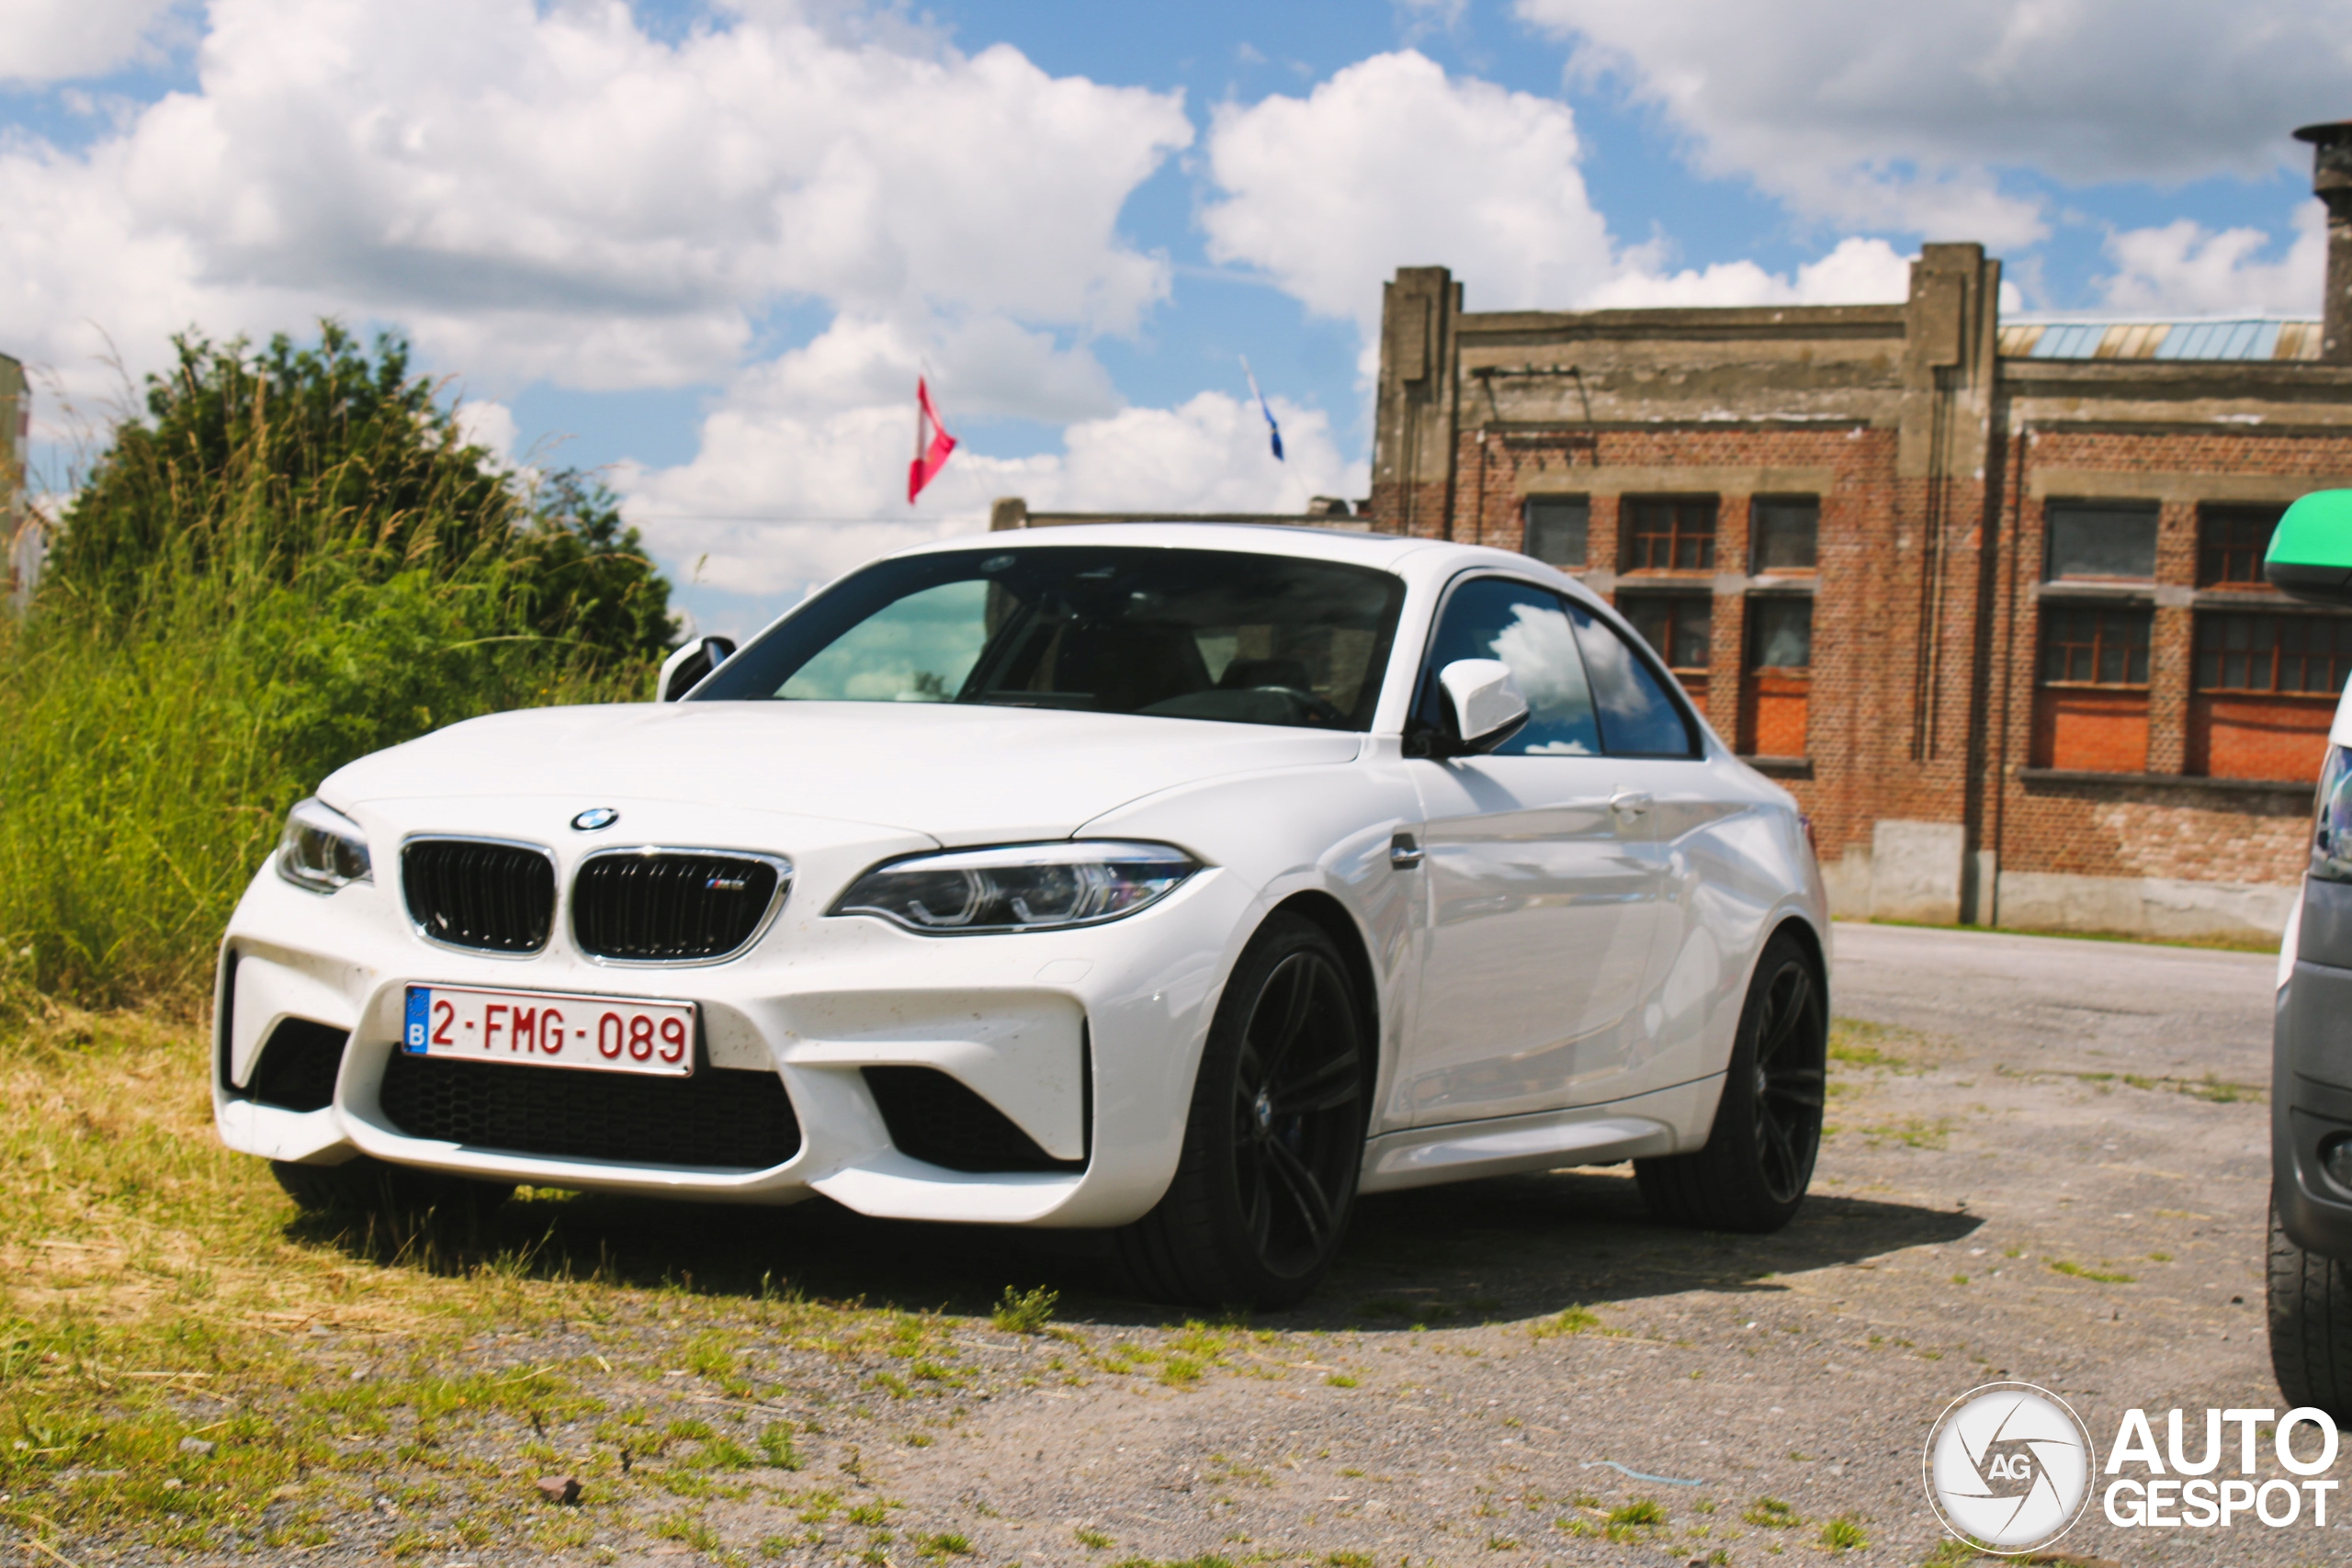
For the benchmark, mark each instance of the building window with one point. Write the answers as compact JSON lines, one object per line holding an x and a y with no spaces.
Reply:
{"x":2308,"y":654}
{"x":2231,"y":543}
{"x":2263,"y":693}
{"x":1786,"y":530}
{"x":1558,"y":529}
{"x":2090,"y":713}
{"x":1780,"y":677}
{"x":1780,"y":632}
{"x":1669,"y":533}
{"x":1679,"y":625}
{"x":2102,"y":539}
{"x":2095,"y":648}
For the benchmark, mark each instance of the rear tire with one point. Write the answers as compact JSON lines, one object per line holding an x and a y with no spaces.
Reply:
{"x":370,"y":1186}
{"x":1275,"y":1138}
{"x":2311,"y":1324}
{"x":1752,"y":1175}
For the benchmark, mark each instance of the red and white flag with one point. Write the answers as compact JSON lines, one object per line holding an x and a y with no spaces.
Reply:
{"x":933,"y":443}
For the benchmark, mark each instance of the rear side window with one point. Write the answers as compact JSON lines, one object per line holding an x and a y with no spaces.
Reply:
{"x":1637,"y":717}
{"x":1587,"y":691}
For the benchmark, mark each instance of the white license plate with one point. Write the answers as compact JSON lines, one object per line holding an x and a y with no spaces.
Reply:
{"x":549,"y":1029}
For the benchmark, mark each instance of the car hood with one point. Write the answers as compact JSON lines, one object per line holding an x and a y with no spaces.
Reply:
{"x":960,"y":774}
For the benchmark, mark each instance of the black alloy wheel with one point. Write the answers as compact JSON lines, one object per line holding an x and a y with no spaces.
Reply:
{"x":1752,"y":1175}
{"x":1271,"y":1150}
{"x":1791,"y":1048}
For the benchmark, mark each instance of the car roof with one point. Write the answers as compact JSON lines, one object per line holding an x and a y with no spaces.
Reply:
{"x":1415,"y":559}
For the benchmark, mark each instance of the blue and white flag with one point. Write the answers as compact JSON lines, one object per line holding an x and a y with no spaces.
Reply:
{"x":1272,"y":429}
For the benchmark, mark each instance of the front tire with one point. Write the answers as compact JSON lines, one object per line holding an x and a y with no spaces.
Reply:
{"x":2311,"y":1324}
{"x":1751,"y":1177}
{"x":1275,"y":1139}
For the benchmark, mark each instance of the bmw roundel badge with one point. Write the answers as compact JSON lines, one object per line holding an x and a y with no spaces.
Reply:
{"x":595,"y":816}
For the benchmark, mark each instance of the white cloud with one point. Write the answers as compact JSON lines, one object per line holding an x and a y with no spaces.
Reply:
{"x":1859,"y":271}
{"x":780,"y":495}
{"x":551,"y":192}
{"x":2186,"y":268}
{"x":1393,"y":164}
{"x":489,"y":425}
{"x":53,"y":40}
{"x":1891,"y":115}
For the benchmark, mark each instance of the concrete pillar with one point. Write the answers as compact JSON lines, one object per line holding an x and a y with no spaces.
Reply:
{"x":2331,"y":182}
{"x":1413,"y":422}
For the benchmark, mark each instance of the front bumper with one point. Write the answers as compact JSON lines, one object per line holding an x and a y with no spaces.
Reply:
{"x":2310,"y":1106}
{"x":1085,"y":1040}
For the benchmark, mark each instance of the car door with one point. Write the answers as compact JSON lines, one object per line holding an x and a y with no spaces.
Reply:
{"x":1541,"y":876}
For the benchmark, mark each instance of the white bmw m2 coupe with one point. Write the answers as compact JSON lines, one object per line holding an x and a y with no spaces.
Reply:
{"x":1181,"y":881}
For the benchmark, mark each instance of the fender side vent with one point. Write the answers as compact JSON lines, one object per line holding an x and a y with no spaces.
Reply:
{"x":941,"y":1120}
{"x":298,"y":1064}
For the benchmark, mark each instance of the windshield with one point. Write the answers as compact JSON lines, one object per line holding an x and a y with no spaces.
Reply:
{"x":1178,"y":634}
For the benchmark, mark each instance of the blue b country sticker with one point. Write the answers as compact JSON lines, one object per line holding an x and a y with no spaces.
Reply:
{"x":420,"y":1020}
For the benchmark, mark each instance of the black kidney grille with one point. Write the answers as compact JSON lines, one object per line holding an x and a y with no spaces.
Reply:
{"x":721,"y":1117}
{"x":494,"y":897}
{"x":669,"y":905}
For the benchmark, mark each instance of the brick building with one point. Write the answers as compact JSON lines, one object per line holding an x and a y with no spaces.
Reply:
{"x":24,"y":541}
{"x":1986,"y":597}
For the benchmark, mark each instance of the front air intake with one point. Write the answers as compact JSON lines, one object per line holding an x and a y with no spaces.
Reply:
{"x":473,"y":893}
{"x":722,"y":1118}
{"x":673,"y":906}
{"x":941,"y":1120}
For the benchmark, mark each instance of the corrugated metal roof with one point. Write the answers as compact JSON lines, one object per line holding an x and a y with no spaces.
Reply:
{"x":2245,"y":337}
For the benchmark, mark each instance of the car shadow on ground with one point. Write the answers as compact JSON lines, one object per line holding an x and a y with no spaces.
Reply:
{"x":1498,"y":1251}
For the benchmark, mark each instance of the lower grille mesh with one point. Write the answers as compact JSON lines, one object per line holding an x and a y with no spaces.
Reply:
{"x":724,"y":1118}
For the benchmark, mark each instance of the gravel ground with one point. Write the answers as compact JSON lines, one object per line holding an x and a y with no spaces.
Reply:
{"x":2059,"y":1106}
{"x":2047,"y":1164}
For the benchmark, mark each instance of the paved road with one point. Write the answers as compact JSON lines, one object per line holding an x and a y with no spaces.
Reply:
{"x":2089,"y":1006}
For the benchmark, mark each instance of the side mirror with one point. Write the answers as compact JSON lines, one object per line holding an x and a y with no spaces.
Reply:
{"x":683,"y":671}
{"x":1483,"y":703}
{"x":2311,"y":551}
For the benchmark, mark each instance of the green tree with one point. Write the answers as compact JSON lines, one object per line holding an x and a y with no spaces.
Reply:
{"x":268,"y":467}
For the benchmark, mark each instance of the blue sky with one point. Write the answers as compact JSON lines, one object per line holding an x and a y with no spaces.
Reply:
{"x":704,"y":248}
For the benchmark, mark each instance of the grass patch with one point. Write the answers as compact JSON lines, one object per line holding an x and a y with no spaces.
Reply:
{"x":1025,"y":1313}
{"x":2076,"y":1271}
{"x":1771,"y":1514}
{"x":193,"y":1368}
{"x":1574,"y":1320}
{"x":1842,"y":1534}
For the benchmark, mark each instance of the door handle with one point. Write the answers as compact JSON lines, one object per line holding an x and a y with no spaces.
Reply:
{"x":1404,"y":852}
{"x":1630,"y":802}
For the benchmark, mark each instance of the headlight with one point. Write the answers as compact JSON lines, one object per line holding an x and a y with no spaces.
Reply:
{"x":1020,"y":887}
{"x":2332,"y":832}
{"x":322,"y":848}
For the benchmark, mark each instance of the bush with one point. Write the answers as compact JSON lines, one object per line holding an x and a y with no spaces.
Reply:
{"x":295,"y":561}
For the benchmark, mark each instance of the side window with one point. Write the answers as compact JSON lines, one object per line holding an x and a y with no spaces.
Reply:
{"x":1532,"y":631}
{"x":1637,"y":717}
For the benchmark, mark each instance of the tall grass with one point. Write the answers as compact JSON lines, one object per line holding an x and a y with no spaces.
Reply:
{"x":237,"y":611}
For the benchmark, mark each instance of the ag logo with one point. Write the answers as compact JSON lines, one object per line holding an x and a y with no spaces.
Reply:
{"x":2009,"y":1466}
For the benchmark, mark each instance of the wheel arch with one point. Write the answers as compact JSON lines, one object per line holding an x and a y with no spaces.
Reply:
{"x":1796,"y":924}
{"x":1332,"y":917}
